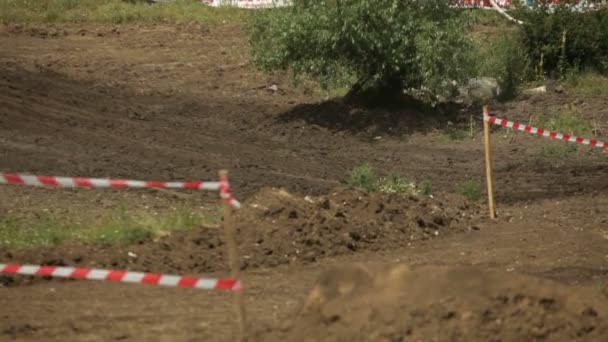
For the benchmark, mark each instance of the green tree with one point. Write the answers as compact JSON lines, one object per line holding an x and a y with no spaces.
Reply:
{"x":560,"y":38}
{"x":387,"y":45}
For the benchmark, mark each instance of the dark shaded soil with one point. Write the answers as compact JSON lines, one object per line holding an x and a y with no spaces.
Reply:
{"x":181,"y":102}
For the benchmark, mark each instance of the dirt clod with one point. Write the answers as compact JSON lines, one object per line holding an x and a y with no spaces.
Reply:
{"x":456,"y":303}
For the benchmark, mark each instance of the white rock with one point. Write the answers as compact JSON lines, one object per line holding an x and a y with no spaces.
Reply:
{"x":538,"y":90}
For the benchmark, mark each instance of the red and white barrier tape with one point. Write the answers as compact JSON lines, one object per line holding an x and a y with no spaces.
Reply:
{"x":253,"y":4}
{"x":75,"y":182}
{"x":122,"y":276}
{"x":248,"y":4}
{"x":545,"y":133}
{"x":225,"y":194}
{"x":485,"y":4}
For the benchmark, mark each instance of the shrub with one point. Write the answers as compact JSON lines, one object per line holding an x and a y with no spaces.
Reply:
{"x":586,"y":45}
{"x":504,"y":58}
{"x":369,"y":44}
{"x":364,"y":177}
{"x":426,"y":187}
{"x":471,"y":190}
{"x":452,"y":134}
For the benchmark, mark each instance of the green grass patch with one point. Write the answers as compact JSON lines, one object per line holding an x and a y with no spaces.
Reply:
{"x":470,"y":189}
{"x":396,"y":184}
{"x":426,"y":187}
{"x":365,"y":178}
{"x":558,"y":151}
{"x":115,"y":12}
{"x":118,"y":227}
{"x":452,"y":134}
{"x":566,"y":122}
{"x":588,"y":84}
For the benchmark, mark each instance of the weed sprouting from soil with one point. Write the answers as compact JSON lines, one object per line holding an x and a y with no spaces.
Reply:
{"x":452,"y":134}
{"x":426,"y":187}
{"x":470,"y":189}
{"x":117,"y":227}
{"x":364,"y":177}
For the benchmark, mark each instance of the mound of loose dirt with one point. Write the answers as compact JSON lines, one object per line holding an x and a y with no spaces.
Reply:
{"x":434,"y":303}
{"x":275,"y":228}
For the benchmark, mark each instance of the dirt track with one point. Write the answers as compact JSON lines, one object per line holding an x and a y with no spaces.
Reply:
{"x":162,"y":102}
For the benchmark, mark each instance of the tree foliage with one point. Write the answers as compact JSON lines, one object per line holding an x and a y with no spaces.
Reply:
{"x":586,"y":33}
{"x":381,"y":44}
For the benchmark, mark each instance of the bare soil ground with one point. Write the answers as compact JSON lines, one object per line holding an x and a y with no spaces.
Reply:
{"x":180,"y":102}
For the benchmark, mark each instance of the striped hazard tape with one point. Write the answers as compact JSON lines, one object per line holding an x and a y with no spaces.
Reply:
{"x":248,"y":4}
{"x":76,"y":182}
{"x":122,"y":276}
{"x":253,"y":4}
{"x":545,"y":133}
{"x":225,"y":194}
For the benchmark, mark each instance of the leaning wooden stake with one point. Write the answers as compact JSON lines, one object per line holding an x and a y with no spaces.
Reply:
{"x":233,"y":257}
{"x":487,"y":145}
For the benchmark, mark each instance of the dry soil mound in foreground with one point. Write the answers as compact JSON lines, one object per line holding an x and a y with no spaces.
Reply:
{"x":274,"y":228}
{"x":278,"y":227}
{"x":434,"y":303}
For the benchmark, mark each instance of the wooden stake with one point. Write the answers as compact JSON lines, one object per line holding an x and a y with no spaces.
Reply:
{"x":233,"y":257}
{"x":488,"y":150}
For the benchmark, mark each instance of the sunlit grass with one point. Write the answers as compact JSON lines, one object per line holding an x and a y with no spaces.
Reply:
{"x":116,"y":227}
{"x":588,"y":84}
{"x":566,"y":122}
{"x":365,"y":178}
{"x":115,"y":11}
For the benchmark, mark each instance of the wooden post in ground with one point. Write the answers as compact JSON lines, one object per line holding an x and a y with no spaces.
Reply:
{"x":231,"y":248}
{"x":488,"y":150}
